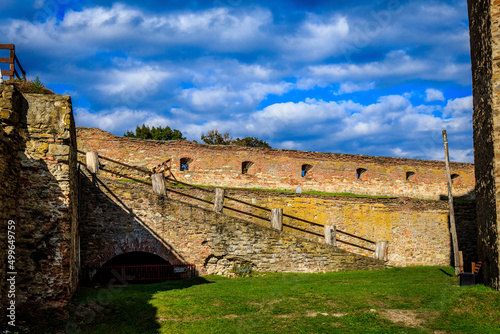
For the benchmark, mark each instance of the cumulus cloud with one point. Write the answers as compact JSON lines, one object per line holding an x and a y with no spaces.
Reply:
{"x":256,"y":71}
{"x":351,"y":87}
{"x":396,"y":66}
{"x":432,"y":94}
{"x":458,"y":107}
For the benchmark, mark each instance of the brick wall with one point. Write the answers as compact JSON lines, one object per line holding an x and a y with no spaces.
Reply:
{"x":119,"y":217}
{"x":39,"y":193}
{"x":484,"y":42}
{"x":417,"y":230}
{"x":282,"y":169}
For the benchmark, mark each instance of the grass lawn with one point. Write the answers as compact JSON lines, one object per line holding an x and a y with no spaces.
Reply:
{"x":397,"y":300}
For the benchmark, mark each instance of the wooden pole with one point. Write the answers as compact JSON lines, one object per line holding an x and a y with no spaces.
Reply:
{"x":453,"y":229}
{"x":93,"y":162}
{"x":159,"y":186}
{"x":219,"y":200}
{"x":277,"y":219}
{"x":381,"y":250}
{"x":331,"y":235}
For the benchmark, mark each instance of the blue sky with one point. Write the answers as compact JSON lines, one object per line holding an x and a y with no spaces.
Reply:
{"x":379,"y":78}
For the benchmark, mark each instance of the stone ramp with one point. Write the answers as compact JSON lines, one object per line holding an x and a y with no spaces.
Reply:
{"x":119,"y":217}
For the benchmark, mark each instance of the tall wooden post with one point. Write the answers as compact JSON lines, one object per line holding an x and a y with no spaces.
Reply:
{"x":159,"y":186}
{"x":453,"y":229}
{"x":277,"y":219}
{"x":92,"y":162}
{"x":381,"y":250}
{"x":331,"y":235}
{"x":219,"y":200}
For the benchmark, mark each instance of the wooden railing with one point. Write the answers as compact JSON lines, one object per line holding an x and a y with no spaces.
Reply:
{"x":136,"y":272}
{"x":12,"y":61}
{"x":276,"y":215}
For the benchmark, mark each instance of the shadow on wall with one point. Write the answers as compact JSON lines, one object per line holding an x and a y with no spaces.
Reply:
{"x":466,"y":226}
{"x":109,"y":229}
{"x":41,"y":206}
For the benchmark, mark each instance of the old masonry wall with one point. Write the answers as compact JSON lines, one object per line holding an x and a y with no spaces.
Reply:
{"x":38,"y":197}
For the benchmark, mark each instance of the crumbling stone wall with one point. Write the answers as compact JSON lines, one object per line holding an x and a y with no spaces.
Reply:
{"x":39,"y":181}
{"x":282,"y":169}
{"x":119,"y":217}
{"x":10,"y":144}
{"x":484,"y":42}
{"x":417,"y":230}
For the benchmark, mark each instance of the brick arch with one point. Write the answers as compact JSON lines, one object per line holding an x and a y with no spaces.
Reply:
{"x":113,"y":249}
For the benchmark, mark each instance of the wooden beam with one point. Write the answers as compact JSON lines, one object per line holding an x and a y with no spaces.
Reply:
{"x":92,"y":162}
{"x":453,"y":229}
{"x":12,"y":66}
{"x":219,"y":200}
{"x":331,"y":235}
{"x":9,"y":73}
{"x":7,"y":60}
{"x":277,"y":219}
{"x":7,"y":46}
{"x":381,"y":250}
{"x":159,"y":186}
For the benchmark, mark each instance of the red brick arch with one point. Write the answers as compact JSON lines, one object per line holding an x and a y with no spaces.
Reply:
{"x":113,"y":249}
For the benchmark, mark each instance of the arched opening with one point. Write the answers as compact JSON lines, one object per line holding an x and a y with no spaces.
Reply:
{"x":184,"y":163}
{"x":139,"y":267}
{"x":360,"y":172}
{"x":410,"y":176}
{"x":245,"y":166}
{"x":455,"y":178}
{"x":305,"y":169}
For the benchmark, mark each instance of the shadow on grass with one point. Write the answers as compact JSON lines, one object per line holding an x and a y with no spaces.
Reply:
{"x":116,"y":308}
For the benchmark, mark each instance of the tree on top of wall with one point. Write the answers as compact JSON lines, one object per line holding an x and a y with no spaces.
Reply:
{"x":156,"y":133}
{"x":251,"y":142}
{"x":214,"y":137}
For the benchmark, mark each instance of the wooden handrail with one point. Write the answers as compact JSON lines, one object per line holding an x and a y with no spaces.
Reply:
{"x":12,"y":61}
{"x":233,"y":199}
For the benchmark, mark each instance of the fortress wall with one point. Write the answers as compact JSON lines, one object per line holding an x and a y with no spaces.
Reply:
{"x":119,"y":217}
{"x":281,"y":169}
{"x":10,"y":143}
{"x":39,"y":175}
{"x":484,"y":26}
{"x":417,"y":230}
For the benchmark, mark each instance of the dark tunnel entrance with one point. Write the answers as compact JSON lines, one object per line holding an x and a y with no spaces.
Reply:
{"x":140,"y":267}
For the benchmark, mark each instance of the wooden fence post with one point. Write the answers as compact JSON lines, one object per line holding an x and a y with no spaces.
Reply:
{"x":93,"y":162}
{"x":331,"y":235}
{"x":12,"y":55}
{"x":219,"y":200}
{"x":381,"y":250}
{"x":159,"y":186}
{"x":277,"y":219}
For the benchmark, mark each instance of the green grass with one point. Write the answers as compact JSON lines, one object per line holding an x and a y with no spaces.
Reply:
{"x":321,"y":193}
{"x":397,"y":300}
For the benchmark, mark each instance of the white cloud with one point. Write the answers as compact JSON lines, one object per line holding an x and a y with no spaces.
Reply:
{"x":316,"y":39}
{"x":397,"y":66}
{"x":351,"y":87}
{"x":458,"y":107}
{"x":225,"y":96}
{"x":432,"y":94}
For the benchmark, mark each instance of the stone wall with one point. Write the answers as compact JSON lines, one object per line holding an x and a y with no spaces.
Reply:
{"x":10,"y":144}
{"x":282,"y":169}
{"x":484,"y":42}
{"x":118,"y":217}
{"x":417,"y":230}
{"x":39,"y":179}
